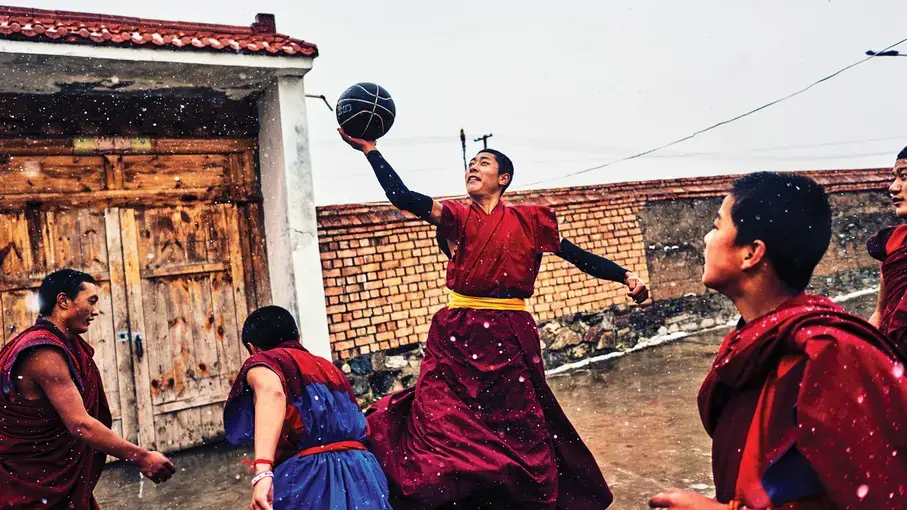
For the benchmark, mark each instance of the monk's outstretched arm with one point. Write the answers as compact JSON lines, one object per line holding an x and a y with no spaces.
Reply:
{"x":592,"y":264}
{"x":424,"y":207}
{"x":402,"y":197}
{"x":602,"y":268}
{"x":270,"y":414}
{"x":270,"y":410}
{"x":47,"y":367}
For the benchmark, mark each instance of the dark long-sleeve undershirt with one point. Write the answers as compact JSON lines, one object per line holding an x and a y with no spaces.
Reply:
{"x":592,"y":264}
{"x":397,"y":192}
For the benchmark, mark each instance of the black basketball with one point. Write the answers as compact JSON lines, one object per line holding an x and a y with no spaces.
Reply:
{"x":366,"y":111}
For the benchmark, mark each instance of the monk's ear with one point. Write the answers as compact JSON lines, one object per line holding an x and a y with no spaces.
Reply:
{"x":504,"y":179}
{"x":754,"y":255}
{"x":63,"y":301}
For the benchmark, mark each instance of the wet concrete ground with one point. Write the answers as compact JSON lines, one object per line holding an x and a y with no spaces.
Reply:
{"x":636,"y":413}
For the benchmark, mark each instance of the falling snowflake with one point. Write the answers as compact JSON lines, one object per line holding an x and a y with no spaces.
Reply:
{"x":862,"y":491}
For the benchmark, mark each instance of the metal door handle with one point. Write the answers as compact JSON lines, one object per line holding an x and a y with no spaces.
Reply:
{"x":139,"y":348}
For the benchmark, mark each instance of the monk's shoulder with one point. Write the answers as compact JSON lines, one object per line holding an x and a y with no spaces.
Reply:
{"x":843,"y":336}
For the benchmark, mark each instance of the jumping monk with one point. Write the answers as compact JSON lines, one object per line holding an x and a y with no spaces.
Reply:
{"x":481,"y":428}
{"x":806,"y":404}
{"x":889,"y":247}
{"x":301,"y":414}
{"x":54,"y":419}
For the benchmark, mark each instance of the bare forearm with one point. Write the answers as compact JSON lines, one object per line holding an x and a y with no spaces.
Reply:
{"x":270,"y":408}
{"x":105,"y":440}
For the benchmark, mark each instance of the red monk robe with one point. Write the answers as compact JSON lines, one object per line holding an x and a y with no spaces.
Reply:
{"x":41,"y":464}
{"x":888,"y":246}
{"x":481,"y":426}
{"x":807,"y":409}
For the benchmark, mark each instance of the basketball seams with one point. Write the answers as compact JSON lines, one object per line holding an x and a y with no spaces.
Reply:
{"x":376,"y":93}
{"x":357,"y":100}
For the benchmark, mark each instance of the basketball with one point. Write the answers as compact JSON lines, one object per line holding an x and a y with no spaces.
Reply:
{"x":366,"y":111}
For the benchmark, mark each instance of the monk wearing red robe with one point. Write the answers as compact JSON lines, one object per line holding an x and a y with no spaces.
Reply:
{"x":481,"y":428}
{"x":806,"y":404}
{"x":890,"y":248}
{"x":54,"y":419}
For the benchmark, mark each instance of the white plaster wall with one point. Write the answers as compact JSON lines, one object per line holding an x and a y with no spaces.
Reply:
{"x":291,"y":226}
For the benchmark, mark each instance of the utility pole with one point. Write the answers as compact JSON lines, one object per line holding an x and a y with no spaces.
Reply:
{"x":463,"y":144}
{"x":484,"y":139}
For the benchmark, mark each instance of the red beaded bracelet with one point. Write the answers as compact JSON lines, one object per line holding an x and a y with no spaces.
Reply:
{"x":256,"y":462}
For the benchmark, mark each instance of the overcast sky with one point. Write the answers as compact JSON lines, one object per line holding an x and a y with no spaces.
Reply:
{"x":569,"y":85}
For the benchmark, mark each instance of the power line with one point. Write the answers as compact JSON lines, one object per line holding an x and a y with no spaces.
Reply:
{"x":714,"y":126}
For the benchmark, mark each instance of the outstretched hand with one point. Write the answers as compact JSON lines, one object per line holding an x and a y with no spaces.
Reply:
{"x":677,"y":499}
{"x":638,"y":291}
{"x":365,"y":146}
{"x":156,"y":467}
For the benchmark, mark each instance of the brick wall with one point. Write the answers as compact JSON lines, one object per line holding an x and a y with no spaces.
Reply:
{"x":384,"y":275}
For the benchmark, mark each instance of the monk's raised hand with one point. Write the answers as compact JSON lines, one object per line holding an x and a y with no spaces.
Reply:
{"x":677,"y":499}
{"x":638,"y":291}
{"x":359,"y":144}
{"x":156,"y":467}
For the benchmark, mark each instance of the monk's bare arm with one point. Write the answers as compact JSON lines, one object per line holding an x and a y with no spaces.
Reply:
{"x":270,"y":410}
{"x":876,"y":317}
{"x":47,"y":368}
{"x":396,"y":192}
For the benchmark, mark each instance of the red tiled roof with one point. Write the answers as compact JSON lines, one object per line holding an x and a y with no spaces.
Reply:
{"x":260,"y":38}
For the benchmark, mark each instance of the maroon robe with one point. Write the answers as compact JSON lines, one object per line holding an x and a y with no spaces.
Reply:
{"x":807,"y":408}
{"x":41,"y":464}
{"x":888,"y":247}
{"x":481,"y":426}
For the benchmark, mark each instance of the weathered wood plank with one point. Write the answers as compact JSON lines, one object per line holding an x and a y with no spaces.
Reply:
{"x":245,"y":225}
{"x":33,"y":282}
{"x":212,"y":421}
{"x":19,"y":311}
{"x":205,"y":355}
{"x":146,"y":425}
{"x":44,"y":174}
{"x":16,"y":260}
{"x":237,"y":280}
{"x":250,"y":172}
{"x":92,"y":241}
{"x":216,"y":234}
{"x":120,"y":321}
{"x":104,"y":199}
{"x":113,"y":170}
{"x":64,"y":146}
{"x":193,"y":231}
{"x":258,"y":261}
{"x":226,"y":330}
{"x":35,"y":221}
{"x":186,"y":270}
{"x":167,"y":172}
{"x":157,"y":344}
{"x":101,"y":337}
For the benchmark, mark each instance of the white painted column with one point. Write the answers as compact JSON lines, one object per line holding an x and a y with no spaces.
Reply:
{"x":291,"y":226}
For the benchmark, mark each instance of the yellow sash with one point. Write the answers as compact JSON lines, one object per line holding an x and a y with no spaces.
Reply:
{"x":455,"y":300}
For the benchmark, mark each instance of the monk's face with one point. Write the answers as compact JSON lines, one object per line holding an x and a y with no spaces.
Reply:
{"x":896,"y":190}
{"x":725,"y":261}
{"x":79,"y":312}
{"x":482,"y":177}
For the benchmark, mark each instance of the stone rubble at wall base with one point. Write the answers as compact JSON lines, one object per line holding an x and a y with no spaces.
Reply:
{"x":572,"y":338}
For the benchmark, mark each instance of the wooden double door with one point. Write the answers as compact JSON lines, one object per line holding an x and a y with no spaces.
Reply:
{"x":175,"y":242}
